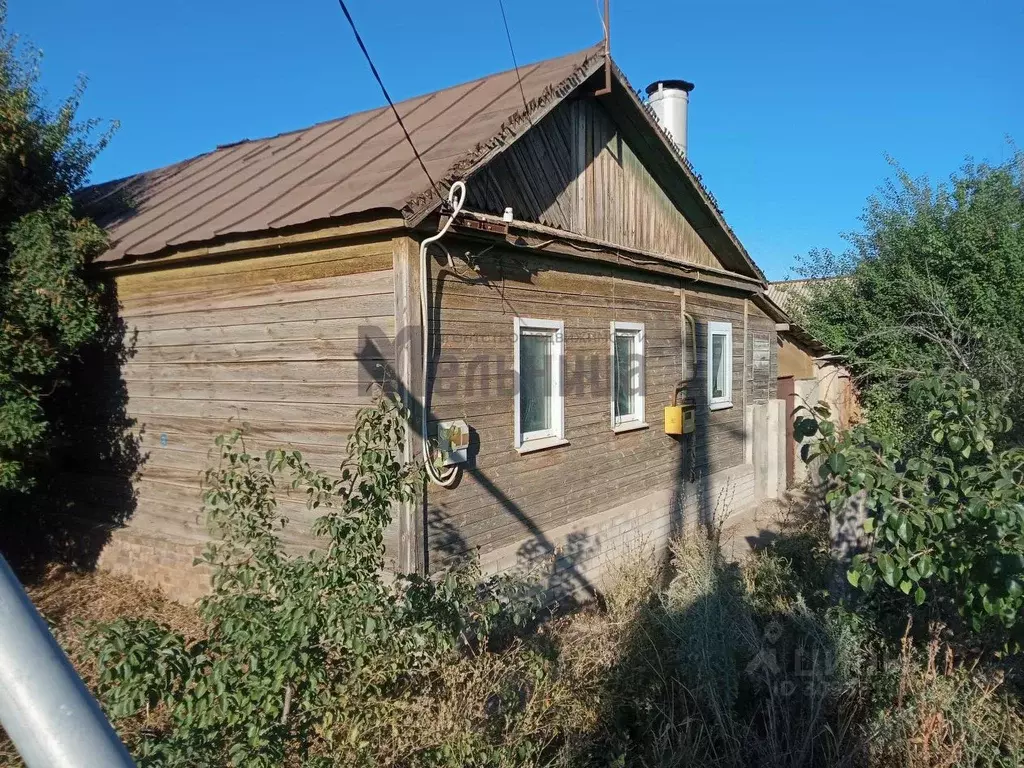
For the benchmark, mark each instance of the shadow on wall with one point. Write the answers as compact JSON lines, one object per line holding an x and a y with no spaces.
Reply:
{"x":443,"y":539}
{"x":691,"y":489}
{"x":558,"y":566}
{"x":86,"y":490}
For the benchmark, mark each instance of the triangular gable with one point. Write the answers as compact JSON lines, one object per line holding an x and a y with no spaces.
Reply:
{"x":575,"y":171}
{"x":636,"y":125}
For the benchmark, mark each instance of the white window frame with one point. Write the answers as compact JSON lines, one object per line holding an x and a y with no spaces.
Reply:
{"x":636,"y":420}
{"x":720,"y":329}
{"x":547,"y":438}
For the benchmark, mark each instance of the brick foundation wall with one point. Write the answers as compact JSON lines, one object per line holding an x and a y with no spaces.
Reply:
{"x":157,"y":561}
{"x":581,"y":558}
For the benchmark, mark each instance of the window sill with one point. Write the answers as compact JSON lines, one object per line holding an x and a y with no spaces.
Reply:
{"x":541,"y":444}
{"x":719,"y":406}
{"x":630,"y":426}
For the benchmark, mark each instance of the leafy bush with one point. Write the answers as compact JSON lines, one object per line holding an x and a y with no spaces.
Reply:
{"x":302,"y":655}
{"x":48,"y":310}
{"x":945,"y":518}
{"x":728,"y":666}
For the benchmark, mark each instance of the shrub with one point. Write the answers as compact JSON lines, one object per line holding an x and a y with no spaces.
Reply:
{"x":945,"y":518}
{"x":301,"y":654}
{"x":932,"y":280}
{"x":727,"y":667}
{"x":934,"y":711}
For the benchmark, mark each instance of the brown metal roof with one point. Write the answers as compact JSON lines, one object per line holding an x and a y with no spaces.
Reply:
{"x":343,"y":167}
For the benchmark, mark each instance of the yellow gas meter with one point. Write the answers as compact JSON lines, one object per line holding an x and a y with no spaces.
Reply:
{"x":680,"y":418}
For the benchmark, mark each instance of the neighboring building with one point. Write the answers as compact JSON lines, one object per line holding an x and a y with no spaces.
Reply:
{"x":269,"y":282}
{"x":808,"y":374}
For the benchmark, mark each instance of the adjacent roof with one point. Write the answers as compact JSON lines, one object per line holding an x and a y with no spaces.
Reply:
{"x":351,"y":165}
{"x":362,"y":165}
{"x":787,"y":294}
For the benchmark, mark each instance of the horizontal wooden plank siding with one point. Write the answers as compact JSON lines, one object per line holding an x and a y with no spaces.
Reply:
{"x":574,"y":171}
{"x":720,"y":432}
{"x":503,"y":496}
{"x":763,"y":358}
{"x":287,"y":345}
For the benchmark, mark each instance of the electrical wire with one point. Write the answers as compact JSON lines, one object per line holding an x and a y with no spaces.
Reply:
{"x":380,"y":82}
{"x":512,"y":50}
{"x":445,"y":476}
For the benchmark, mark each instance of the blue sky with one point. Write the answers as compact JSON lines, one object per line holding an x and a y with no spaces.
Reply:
{"x":797,"y":103}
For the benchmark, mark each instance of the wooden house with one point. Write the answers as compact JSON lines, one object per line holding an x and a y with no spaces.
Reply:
{"x":588,"y":276}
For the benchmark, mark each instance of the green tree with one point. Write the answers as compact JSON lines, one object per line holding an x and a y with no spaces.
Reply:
{"x":934,"y":280}
{"x":48,"y":309}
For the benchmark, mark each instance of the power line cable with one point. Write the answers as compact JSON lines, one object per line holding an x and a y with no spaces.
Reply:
{"x":512,"y":50}
{"x":387,"y":96}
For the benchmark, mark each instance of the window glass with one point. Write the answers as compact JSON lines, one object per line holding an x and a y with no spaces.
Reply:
{"x":625,"y":367}
{"x":627,"y":374}
{"x":536,"y":382}
{"x":719,"y":380}
{"x":718,"y":365}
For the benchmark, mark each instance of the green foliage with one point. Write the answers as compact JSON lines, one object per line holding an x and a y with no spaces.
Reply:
{"x":300,"y":654}
{"x":47,"y":308}
{"x":934,"y":280}
{"x":945,"y":519}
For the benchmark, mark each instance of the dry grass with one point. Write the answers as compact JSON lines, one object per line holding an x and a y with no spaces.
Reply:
{"x":946,"y":713}
{"x":65,"y":597}
{"x":656,"y":677}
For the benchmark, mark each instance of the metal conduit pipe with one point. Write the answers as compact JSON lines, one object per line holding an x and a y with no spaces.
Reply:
{"x":45,"y":707}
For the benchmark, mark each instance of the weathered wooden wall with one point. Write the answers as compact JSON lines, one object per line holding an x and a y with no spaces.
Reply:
{"x":763,"y":359}
{"x":574,"y":171}
{"x":719,"y":433}
{"x":505,"y":497}
{"x":286,"y":344}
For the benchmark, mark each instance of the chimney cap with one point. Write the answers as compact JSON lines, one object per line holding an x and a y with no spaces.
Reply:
{"x":680,"y":85}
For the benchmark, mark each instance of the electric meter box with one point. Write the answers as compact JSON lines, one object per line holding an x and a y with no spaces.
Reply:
{"x":453,"y":441}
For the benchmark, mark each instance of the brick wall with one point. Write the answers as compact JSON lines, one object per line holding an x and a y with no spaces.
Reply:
{"x":158,"y":561}
{"x":578,"y":559}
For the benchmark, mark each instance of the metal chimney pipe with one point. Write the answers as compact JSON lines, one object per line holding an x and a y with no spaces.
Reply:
{"x":670,"y":99}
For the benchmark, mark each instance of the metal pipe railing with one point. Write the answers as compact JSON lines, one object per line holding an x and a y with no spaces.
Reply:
{"x":45,"y":707}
